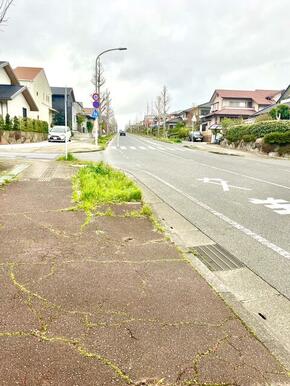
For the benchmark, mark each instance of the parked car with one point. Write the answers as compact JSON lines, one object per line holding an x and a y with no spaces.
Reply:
{"x":59,"y":134}
{"x":195,"y":136}
{"x":122,"y":132}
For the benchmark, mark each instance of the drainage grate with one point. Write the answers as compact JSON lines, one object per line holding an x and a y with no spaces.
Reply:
{"x":216,"y":258}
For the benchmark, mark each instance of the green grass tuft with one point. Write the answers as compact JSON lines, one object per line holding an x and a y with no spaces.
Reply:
{"x":98,"y":183}
{"x":70,"y":157}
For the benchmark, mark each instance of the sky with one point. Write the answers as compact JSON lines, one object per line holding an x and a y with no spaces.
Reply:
{"x":191,"y":46}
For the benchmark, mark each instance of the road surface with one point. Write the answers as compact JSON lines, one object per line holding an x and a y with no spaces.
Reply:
{"x":242,"y":203}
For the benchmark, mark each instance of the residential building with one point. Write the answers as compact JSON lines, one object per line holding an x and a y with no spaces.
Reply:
{"x":58,"y":104}
{"x":77,"y":109}
{"x":239,"y":103}
{"x":284,"y":98}
{"x":34,"y":78}
{"x":15,"y":99}
{"x":200,"y":118}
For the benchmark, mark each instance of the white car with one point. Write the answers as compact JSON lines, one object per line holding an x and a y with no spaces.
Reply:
{"x":59,"y":134}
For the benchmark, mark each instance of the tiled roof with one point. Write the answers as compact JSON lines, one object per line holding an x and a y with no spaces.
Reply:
{"x":27,"y":73}
{"x":7,"y":91}
{"x":236,"y":112}
{"x":261,"y":97}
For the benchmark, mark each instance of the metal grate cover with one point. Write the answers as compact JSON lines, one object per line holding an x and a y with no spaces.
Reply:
{"x":216,"y":258}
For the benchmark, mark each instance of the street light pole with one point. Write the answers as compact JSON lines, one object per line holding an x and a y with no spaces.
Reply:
{"x":98,"y":87}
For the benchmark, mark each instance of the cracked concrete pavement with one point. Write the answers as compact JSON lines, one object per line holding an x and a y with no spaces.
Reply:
{"x":113,"y":302}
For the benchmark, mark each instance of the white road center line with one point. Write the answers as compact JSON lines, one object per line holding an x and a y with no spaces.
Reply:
{"x":226,"y":219}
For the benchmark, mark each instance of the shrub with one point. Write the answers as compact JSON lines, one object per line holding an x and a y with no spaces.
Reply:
{"x":16,"y":124}
{"x":2,"y":123}
{"x":256,"y":130}
{"x":248,"y":138}
{"x":278,"y":138}
{"x":281,"y":111}
{"x":90,"y":126}
{"x":8,"y":123}
{"x":263,"y":118}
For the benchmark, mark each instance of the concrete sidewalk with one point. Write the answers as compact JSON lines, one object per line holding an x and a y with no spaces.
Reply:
{"x":110,"y":303}
{"x":76,"y":146}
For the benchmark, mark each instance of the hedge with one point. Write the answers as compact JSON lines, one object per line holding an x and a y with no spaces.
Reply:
{"x":278,"y":138}
{"x":23,"y":124}
{"x":250,"y":132}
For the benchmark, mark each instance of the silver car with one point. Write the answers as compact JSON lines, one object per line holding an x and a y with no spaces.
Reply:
{"x":59,"y":134}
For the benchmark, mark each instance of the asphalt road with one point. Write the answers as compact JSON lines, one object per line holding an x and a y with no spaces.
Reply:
{"x":232,"y":199}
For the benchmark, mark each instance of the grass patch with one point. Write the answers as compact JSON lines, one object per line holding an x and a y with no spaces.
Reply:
{"x":70,"y":157}
{"x":105,"y":140}
{"x":97,"y":184}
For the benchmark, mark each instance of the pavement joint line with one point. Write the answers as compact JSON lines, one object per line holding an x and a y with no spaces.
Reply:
{"x":18,"y":169}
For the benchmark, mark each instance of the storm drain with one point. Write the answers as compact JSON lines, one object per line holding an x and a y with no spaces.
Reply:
{"x":216,"y":258}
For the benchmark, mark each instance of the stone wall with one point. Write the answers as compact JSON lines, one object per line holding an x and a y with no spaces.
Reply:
{"x":258,"y":146}
{"x":7,"y":137}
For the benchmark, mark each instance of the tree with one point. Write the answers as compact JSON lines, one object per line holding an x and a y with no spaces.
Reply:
{"x":280,"y":112}
{"x":165,"y":99}
{"x":2,"y":123}
{"x":16,"y":124}
{"x":8,"y":123}
{"x":158,"y":108}
{"x":4,"y":6}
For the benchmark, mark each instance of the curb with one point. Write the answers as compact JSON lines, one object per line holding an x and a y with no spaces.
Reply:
{"x":18,"y":169}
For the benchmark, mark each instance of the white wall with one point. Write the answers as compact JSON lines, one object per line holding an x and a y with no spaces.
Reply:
{"x":41,"y":93}
{"x":4,"y":78}
{"x":15,"y":107}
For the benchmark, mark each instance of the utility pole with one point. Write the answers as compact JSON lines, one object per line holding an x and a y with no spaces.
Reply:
{"x":98,"y":88}
{"x":65,"y":120}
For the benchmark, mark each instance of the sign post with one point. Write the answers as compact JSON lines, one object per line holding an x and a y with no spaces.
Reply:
{"x":95,"y":115}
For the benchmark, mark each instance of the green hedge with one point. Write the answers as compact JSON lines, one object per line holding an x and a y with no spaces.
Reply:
{"x":23,"y":124}
{"x":278,"y":138}
{"x":253,"y":131}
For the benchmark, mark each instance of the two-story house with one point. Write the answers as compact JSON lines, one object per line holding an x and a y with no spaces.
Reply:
{"x":239,"y":103}
{"x":35,"y":80}
{"x":15,"y":99}
{"x":58,"y":103}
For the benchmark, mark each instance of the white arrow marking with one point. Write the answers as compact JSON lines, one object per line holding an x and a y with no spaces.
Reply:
{"x":218,"y":181}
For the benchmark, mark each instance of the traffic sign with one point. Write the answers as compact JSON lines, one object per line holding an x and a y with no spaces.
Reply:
{"x":95,"y":114}
{"x":96,"y":104}
{"x":96,"y":97}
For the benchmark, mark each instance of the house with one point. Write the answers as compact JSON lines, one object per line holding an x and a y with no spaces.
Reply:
{"x":239,"y":103}
{"x":77,"y":109}
{"x":34,"y":78}
{"x":200,"y":118}
{"x":15,"y":99}
{"x":58,"y":103}
{"x":284,"y":98}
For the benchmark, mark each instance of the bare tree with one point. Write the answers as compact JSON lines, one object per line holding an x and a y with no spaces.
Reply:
{"x":165,"y":99}
{"x":4,"y":6}
{"x":158,"y":108}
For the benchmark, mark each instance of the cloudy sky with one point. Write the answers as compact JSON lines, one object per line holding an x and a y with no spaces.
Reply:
{"x":192,"y":46}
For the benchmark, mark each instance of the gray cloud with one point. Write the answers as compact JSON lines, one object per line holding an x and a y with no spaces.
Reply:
{"x":192,"y":46}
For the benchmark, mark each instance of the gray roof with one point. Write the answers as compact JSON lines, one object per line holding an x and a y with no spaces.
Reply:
{"x":61,"y":91}
{"x":8,"y":92}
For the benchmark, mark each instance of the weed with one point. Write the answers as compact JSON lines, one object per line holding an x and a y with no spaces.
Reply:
{"x":70,"y":157}
{"x":98,"y":183}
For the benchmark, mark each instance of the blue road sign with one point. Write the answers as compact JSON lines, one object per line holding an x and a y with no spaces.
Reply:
{"x":95,"y":114}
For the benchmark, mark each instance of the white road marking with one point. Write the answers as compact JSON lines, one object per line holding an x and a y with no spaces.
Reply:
{"x":132,"y":147}
{"x":279,"y":206}
{"x":218,"y":181}
{"x":142,"y":147}
{"x":123,"y":147}
{"x":229,"y":221}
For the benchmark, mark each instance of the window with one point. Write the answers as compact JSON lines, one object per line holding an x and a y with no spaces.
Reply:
{"x":238,"y":103}
{"x":215,"y":106}
{"x":24,"y":112}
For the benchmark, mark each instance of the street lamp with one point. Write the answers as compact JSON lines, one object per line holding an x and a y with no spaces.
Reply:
{"x":98,"y":85}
